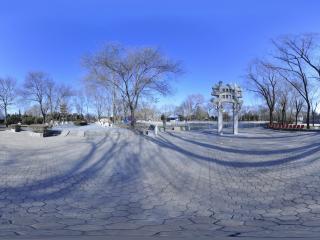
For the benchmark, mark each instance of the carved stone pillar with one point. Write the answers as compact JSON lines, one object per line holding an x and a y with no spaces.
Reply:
{"x":235,"y":118}
{"x":220,"y":118}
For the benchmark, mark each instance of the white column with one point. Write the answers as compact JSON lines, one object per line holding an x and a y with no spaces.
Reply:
{"x":220,"y":119}
{"x":235,"y":118}
{"x":156,"y":130}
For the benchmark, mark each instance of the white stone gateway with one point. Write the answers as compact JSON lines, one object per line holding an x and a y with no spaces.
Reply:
{"x":227,"y":94}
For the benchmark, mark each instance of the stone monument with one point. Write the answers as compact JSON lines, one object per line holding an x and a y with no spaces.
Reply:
{"x":227,"y":94}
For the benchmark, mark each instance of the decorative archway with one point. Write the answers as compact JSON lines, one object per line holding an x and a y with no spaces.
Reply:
{"x":227,"y":94}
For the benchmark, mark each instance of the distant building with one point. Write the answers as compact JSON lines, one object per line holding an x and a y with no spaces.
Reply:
{"x":172,"y":118}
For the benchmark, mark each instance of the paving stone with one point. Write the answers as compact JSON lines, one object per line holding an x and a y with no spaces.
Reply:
{"x":86,"y":227}
{"x":192,"y":184}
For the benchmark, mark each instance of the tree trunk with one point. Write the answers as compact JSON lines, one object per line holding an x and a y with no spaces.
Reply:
{"x":271,"y":116}
{"x":284,"y":113}
{"x":297,"y":113}
{"x":44,"y":118}
{"x":5,"y":115}
{"x":113,"y":105}
{"x":125,"y":110}
{"x":133,"y":121}
{"x":308,"y":115}
{"x":313,"y":116}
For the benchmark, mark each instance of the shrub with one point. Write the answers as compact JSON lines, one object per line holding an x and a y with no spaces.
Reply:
{"x":39,"y":120}
{"x":28,"y":120}
{"x":39,"y":128}
{"x":181,"y":117}
{"x":80,"y":123}
{"x":13,"y":119}
{"x":152,"y":127}
{"x":16,"y":127}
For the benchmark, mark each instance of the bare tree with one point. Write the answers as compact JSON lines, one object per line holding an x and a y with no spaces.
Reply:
{"x":119,"y":106}
{"x":57,"y":95}
{"x":293,"y":68}
{"x":87,"y":104}
{"x":33,"y":111}
{"x":314,"y":106}
{"x":187,"y":108}
{"x":298,"y":105}
{"x":263,"y":80}
{"x":100,"y":100}
{"x":254,"y":113}
{"x":208,"y":106}
{"x":146,"y":111}
{"x":7,"y":95}
{"x":168,"y":109}
{"x":64,"y":94}
{"x":51,"y":95}
{"x":190,"y":105}
{"x":201,"y":113}
{"x":35,"y":89}
{"x":283,"y":103}
{"x":79,"y":102}
{"x":134,"y":73}
{"x":306,"y":48}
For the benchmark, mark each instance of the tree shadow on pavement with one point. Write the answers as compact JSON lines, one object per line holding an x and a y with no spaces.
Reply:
{"x":240,"y":151}
{"x":59,"y":186}
{"x":164,"y":142}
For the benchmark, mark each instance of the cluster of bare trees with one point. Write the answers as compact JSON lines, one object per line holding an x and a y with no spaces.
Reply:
{"x":130,"y":75}
{"x":148,"y":111}
{"x":43,"y":91}
{"x":37,"y":88}
{"x":195,"y":107}
{"x":7,"y":95}
{"x":288,"y":80}
{"x":119,"y":81}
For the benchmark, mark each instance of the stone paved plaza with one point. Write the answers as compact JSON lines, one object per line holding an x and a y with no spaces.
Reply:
{"x":195,"y":185}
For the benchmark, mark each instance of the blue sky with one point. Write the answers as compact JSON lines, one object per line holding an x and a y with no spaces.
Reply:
{"x":215,"y":40}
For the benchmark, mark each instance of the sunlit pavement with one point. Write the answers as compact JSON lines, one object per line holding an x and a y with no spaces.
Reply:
{"x":258,"y":184}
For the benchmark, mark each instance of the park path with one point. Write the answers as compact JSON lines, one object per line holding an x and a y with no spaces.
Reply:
{"x":179,"y":184}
